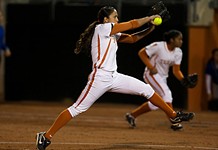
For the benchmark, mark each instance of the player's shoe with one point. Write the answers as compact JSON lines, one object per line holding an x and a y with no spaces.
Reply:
{"x":176,"y":126}
{"x":131,"y":120}
{"x":182,"y":116}
{"x":41,"y":141}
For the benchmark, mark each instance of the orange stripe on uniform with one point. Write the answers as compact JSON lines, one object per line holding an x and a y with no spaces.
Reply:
{"x":105,"y":54}
{"x":92,"y":80}
{"x":154,"y":81}
{"x":154,"y":78}
{"x":157,"y":83}
{"x":89,"y":87}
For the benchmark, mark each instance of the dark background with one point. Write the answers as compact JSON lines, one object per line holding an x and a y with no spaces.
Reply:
{"x":43,"y":66}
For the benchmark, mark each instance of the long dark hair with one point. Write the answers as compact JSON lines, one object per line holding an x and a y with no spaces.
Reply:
{"x":171,"y":35}
{"x":84,"y":42}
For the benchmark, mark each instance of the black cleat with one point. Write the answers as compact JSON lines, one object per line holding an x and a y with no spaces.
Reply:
{"x":131,"y":120}
{"x":182,"y":116}
{"x":41,"y":141}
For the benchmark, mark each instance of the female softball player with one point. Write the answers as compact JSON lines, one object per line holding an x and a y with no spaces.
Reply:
{"x":100,"y":40}
{"x":158,"y":58}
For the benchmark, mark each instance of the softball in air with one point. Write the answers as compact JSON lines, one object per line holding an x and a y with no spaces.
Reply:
{"x":157,"y":21}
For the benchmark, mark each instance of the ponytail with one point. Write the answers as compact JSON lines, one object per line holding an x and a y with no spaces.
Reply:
{"x":84,"y":43}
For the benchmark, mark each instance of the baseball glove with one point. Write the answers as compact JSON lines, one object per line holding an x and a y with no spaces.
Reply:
{"x":190,"y":81}
{"x":160,"y":9}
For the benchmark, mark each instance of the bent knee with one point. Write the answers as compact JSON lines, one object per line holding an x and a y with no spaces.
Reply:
{"x":75,"y":111}
{"x":151,"y":106}
{"x":148,"y":91}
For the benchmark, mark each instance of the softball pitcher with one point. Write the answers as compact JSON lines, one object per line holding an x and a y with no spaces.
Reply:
{"x":158,"y":58}
{"x":100,"y":40}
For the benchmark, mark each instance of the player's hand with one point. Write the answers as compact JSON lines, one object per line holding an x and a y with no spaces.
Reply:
{"x":153,"y":71}
{"x":7,"y":53}
{"x":160,"y":9}
{"x":153,"y":17}
{"x":190,"y":81}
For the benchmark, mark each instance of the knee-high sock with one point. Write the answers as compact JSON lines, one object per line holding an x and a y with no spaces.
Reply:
{"x":171,"y":106}
{"x":60,"y":121}
{"x":140,"y":110}
{"x":159,"y":102}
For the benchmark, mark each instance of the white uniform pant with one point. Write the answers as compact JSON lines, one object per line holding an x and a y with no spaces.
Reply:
{"x":101,"y":81}
{"x":160,"y":86}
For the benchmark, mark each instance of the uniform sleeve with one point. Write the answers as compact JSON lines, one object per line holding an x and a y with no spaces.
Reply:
{"x":105,"y":29}
{"x":178,"y":56}
{"x":151,"y":49}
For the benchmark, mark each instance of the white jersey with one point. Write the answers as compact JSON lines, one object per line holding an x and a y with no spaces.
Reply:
{"x":104,"y":47}
{"x":162,"y":58}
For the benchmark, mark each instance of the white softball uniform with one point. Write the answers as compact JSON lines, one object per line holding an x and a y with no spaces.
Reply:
{"x":162,"y":59}
{"x":104,"y":76}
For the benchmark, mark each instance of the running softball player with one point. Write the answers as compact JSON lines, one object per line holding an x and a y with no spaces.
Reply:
{"x":100,"y":39}
{"x":158,"y":58}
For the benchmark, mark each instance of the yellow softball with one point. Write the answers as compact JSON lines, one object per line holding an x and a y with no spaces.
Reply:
{"x":157,"y":21}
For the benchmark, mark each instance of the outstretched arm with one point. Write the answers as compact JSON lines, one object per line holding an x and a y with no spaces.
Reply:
{"x":132,"y":24}
{"x":132,"y":38}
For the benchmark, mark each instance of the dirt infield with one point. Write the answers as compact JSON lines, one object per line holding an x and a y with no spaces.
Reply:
{"x":103,"y":127}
